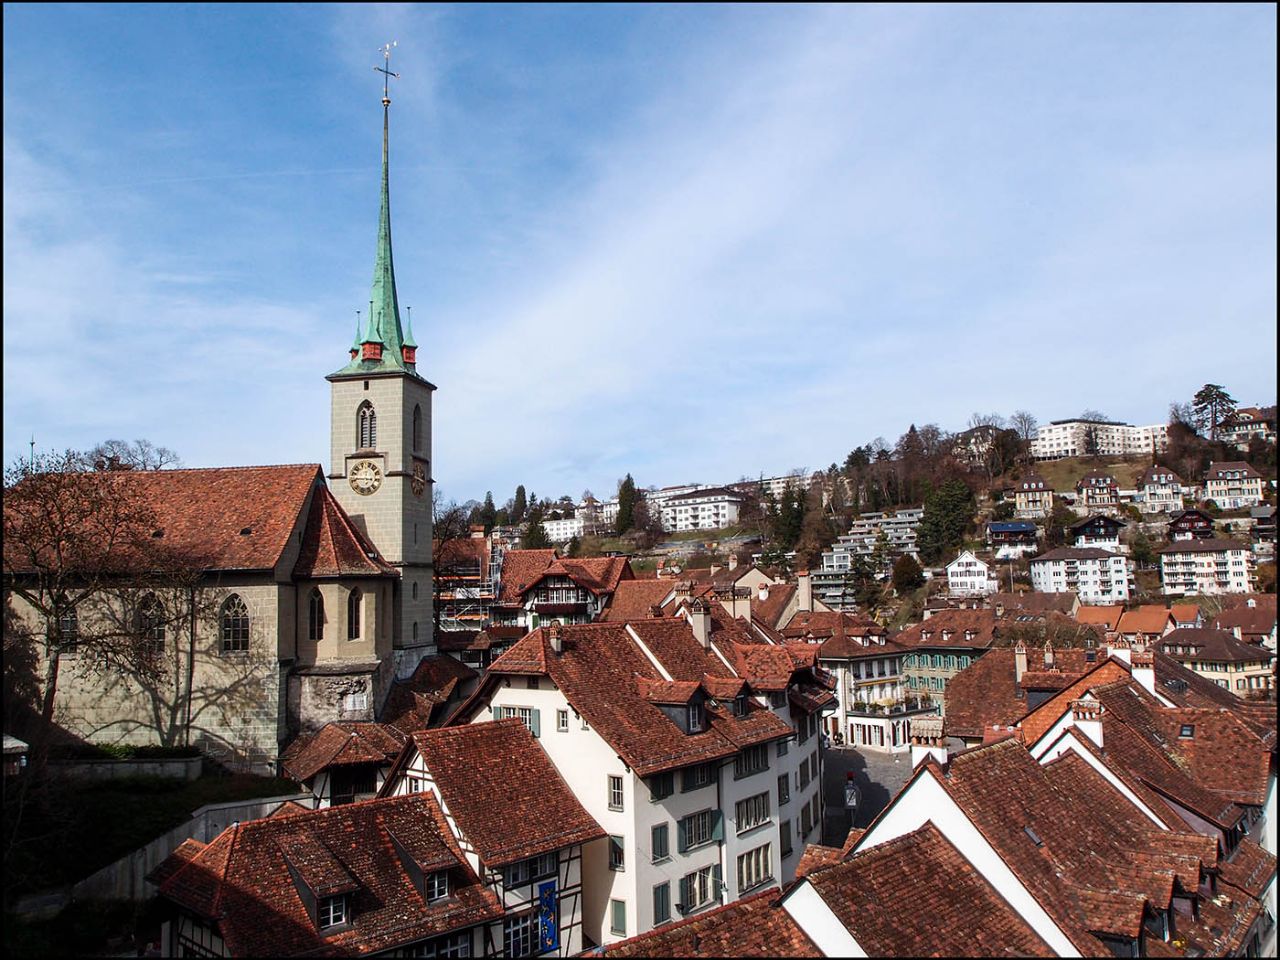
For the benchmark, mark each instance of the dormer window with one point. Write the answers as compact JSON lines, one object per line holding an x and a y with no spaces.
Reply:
{"x":1187,"y":731}
{"x":695,"y":718}
{"x":739,"y":705}
{"x":331,"y":912}
{"x":436,"y":886}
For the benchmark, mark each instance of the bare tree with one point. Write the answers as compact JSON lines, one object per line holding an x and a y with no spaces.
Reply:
{"x":454,"y":558}
{"x":130,"y":455}
{"x":1025,"y":424}
{"x":1095,"y":416}
{"x":986,"y":420}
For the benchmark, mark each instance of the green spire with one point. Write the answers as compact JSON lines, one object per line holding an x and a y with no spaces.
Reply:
{"x":408,"y":329}
{"x":355,"y":343}
{"x":384,"y":317}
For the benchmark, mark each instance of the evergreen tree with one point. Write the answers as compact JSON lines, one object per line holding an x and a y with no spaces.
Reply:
{"x":488,"y":513}
{"x":626,"y":505}
{"x":907,"y":574}
{"x":1212,"y":405}
{"x":519,"y":506}
{"x":948,"y":511}
{"x":535,"y":537}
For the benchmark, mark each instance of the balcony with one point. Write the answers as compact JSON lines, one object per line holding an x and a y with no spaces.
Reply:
{"x":896,"y":708}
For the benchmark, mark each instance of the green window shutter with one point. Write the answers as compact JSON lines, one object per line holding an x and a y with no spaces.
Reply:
{"x":719,"y":883}
{"x":497,"y":713}
{"x":537,"y":723}
{"x":682,"y":839}
{"x":717,"y":826}
{"x":686,"y":892}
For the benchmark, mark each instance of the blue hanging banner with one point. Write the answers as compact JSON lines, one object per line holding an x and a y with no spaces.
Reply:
{"x":548,"y":916}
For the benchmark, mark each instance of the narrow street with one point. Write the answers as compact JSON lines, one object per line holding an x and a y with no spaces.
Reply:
{"x":878,"y":776}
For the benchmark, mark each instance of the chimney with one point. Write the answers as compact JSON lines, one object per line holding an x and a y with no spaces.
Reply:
{"x":999,"y":610}
{"x":804,"y":592}
{"x":764,"y":592}
{"x":700,"y":620}
{"x":1237,"y":633}
{"x":1048,"y":655}
{"x":1142,"y":667}
{"x":1119,"y":648}
{"x":655,"y":612}
{"x":1019,"y":665}
{"x":733,"y":561}
{"x":554,"y":637}
{"x":1087,"y":716}
{"x":927,"y":740}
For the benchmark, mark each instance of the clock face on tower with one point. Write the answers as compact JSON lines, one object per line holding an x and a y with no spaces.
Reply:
{"x":419,"y":481}
{"x":365,"y":477}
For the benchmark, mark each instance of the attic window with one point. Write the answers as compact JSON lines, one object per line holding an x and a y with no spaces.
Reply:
{"x":245,"y":531}
{"x":695,"y":718}
{"x":1035,"y":837}
{"x":1187,"y":730}
{"x":436,"y":885}
{"x":331,"y":912}
{"x":739,"y":705}
{"x":157,"y":534}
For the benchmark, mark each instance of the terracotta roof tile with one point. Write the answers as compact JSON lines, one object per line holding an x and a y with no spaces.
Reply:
{"x":183,"y":854}
{"x":413,"y":704}
{"x":981,"y":625}
{"x":598,"y":575}
{"x":1103,"y":615}
{"x":1146,"y":619}
{"x":821,"y":624}
{"x":1032,"y":602}
{"x":520,"y":569}
{"x":242,"y":880}
{"x":506,"y":795}
{"x":341,"y":743}
{"x":771,"y":609}
{"x":916,"y":895}
{"x":332,"y":546}
{"x":632,"y":599}
{"x":1248,"y":869}
{"x":815,"y":856}
{"x":753,"y":926}
{"x":1206,"y":643}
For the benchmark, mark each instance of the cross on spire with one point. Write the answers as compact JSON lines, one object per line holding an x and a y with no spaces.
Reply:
{"x":386,"y":73}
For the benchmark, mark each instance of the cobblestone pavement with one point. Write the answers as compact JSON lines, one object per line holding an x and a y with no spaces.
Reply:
{"x":879,"y":777}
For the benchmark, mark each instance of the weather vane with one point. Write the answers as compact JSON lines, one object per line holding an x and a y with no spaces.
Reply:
{"x":386,"y":72}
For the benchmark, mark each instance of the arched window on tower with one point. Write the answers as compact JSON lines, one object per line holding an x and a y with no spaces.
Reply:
{"x":235,"y":625}
{"x":150,"y":624}
{"x":315,"y":615}
{"x":417,"y":428}
{"x":366,"y":426}
{"x":353,"y":615}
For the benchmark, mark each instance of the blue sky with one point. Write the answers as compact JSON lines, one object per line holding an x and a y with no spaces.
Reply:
{"x":690,"y":243}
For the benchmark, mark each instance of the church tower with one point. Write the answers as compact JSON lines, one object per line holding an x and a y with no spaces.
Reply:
{"x":380,"y":440}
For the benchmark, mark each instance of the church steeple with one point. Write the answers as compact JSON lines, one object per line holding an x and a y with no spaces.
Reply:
{"x":382,"y":345}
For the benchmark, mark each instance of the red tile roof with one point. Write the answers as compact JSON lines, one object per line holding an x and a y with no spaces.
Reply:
{"x":597,"y":575}
{"x":203,"y":512}
{"x":341,"y":743}
{"x":1104,"y":615}
{"x":821,"y":624}
{"x":520,"y":569}
{"x":597,"y":670}
{"x":414,"y":703}
{"x":508,"y":799}
{"x":1252,"y":621}
{"x":982,"y":624}
{"x":332,"y":546}
{"x":773,"y":607}
{"x":1032,"y":602}
{"x":1220,"y":471}
{"x":633,"y":599}
{"x":1146,"y":619}
{"x":1216,"y":646}
{"x":917,"y":896}
{"x":1208,"y":545}
{"x":243,"y":882}
{"x":753,"y":926}
{"x":185,"y":852}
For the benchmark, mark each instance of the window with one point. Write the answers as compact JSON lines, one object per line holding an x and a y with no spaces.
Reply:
{"x":417,"y":428}
{"x":752,"y":812}
{"x":526,"y":871}
{"x":353,"y":615}
{"x":69,"y":627}
{"x":699,"y":828}
{"x":661,"y":785}
{"x":1187,"y":730}
{"x":436,"y":885}
{"x":751,"y":760}
{"x":662,"y":903}
{"x":615,"y":793}
{"x":520,"y":935}
{"x":699,"y":776}
{"x":453,"y":945}
{"x":661,"y":847}
{"x":695,"y":718}
{"x":699,"y":888}
{"x":235,"y":625}
{"x":617,"y":853}
{"x":150,"y":623}
{"x":618,"y":917}
{"x":531,"y":683}
{"x":331,"y":912}
{"x":562,"y":721}
{"x":784,"y":789}
{"x":755,"y":867}
{"x":785,"y":848}
{"x":783,"y":747}
{"x":366,"y":427}
{"x":315,"y":615}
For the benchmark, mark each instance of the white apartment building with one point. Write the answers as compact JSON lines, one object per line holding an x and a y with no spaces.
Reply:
{"x":1233,"y":484}
{"x":1066,"y":438}
{"x":711,"y":508}
{"x":899,"y":530}
{"x":562,"y":531}
{"x":967,"y":576}
{"x":1206,"y":566}
{"x":708,"y":786}
{"x":1097,"y":576}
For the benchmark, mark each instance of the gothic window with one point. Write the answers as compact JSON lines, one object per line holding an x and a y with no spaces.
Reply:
{"x":417,"y":428}
{"x":367,"y":426}
{"x":315,"y":615}
{"x":353,"y":615}
{"x":150,"y":624}
{"x":235,"y":625}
